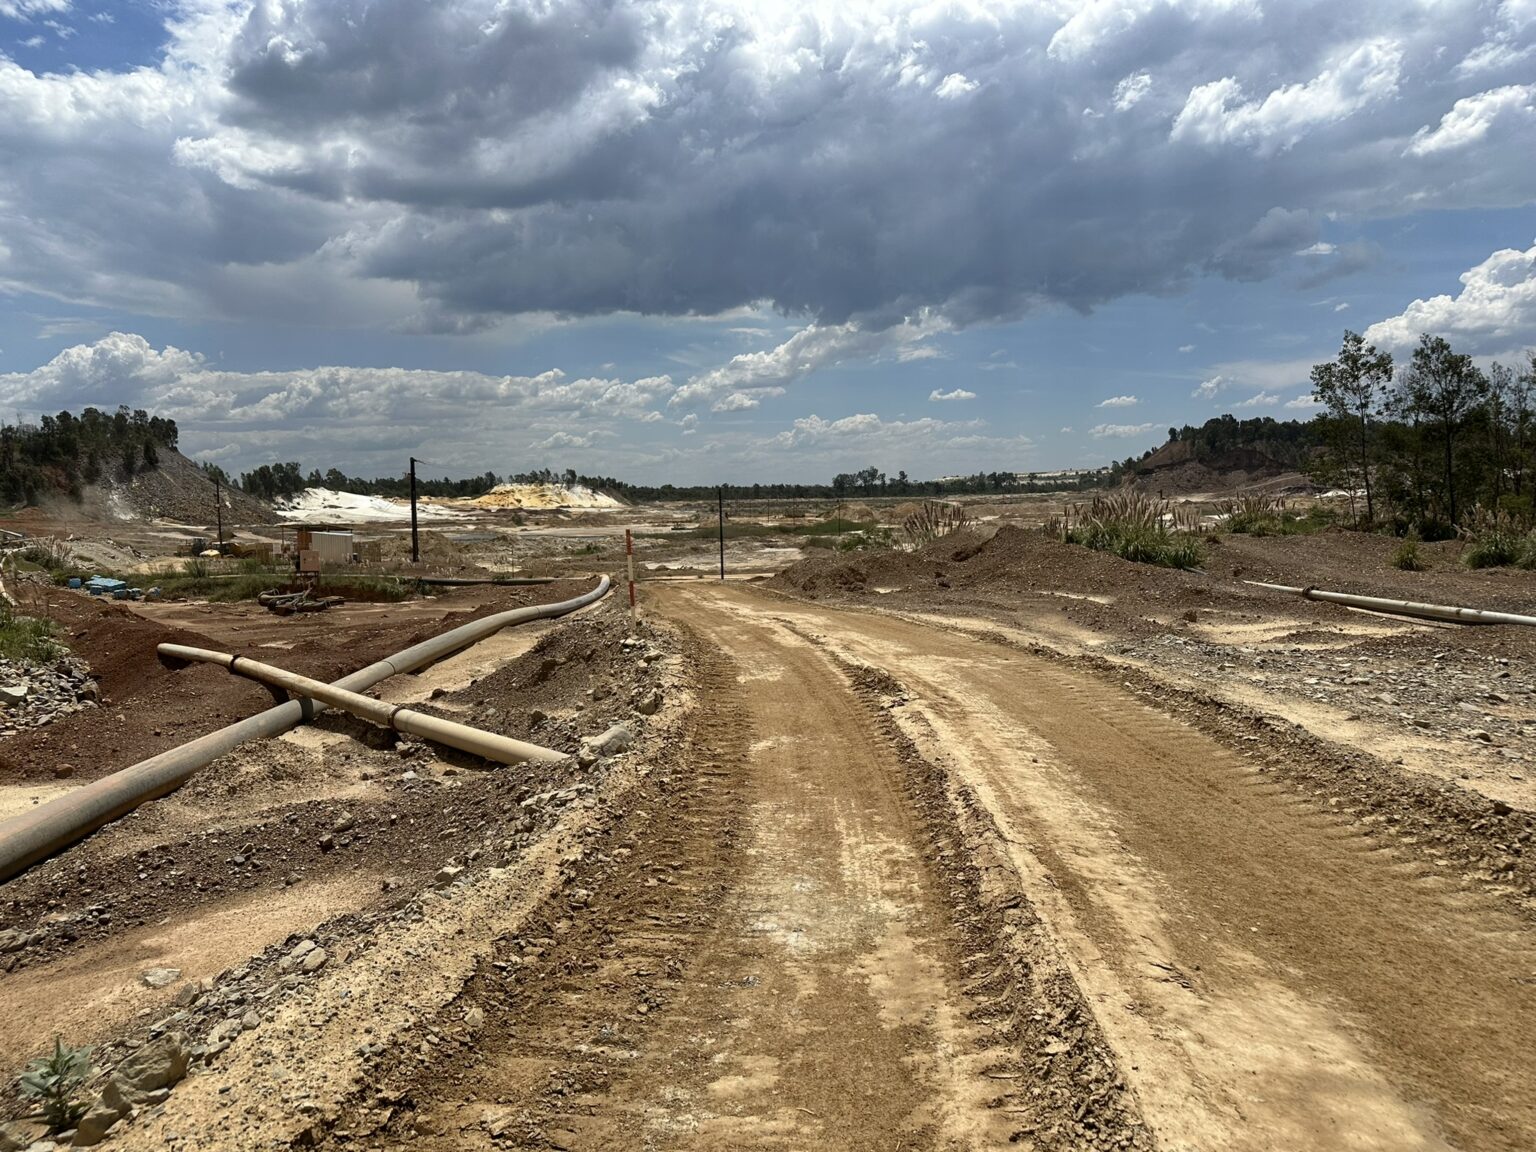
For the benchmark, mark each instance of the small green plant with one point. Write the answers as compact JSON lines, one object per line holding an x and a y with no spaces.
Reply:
{"x":1407,"y":556}
{"x":197,"y":568}
{"x":53,"y":1083}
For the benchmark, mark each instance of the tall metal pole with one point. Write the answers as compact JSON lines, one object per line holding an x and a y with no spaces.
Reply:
{"x":415,"y":539}
{"x":218,"y":510}
{"x":720,"y":495}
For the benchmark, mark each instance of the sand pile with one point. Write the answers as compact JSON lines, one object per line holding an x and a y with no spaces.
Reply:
{"x":544,"y":496}
{"x":321,"y":505}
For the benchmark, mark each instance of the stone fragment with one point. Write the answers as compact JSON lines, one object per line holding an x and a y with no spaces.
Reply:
{"x":161,"y":977}
{"x":615,"y":740}
{"x":159,"y":1064}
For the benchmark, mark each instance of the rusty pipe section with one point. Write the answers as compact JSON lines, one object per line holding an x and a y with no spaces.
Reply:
{"x":1447,"y":612}
{"x":401,"y":719}
{"x":40,"y":832}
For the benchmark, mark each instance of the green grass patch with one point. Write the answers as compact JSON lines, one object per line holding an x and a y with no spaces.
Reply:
{"x":27,"y":637}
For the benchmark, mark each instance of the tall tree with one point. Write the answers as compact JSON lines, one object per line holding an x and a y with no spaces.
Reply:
{"x":1452,"y":387}
{"x":1352,"y":388}
{"x":1522,"y":423}
{"x":1501,"y":383}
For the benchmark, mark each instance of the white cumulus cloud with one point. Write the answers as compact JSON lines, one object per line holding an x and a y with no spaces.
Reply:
{"x":1210,"y":388}
{"x":1129,"y":91}
{"x":955,"y":85}
{"x":1218,"y":113}
{"x":1471,"y":119}
{"x":1119,"y":431}
{"x":1118,"y":402}
{"x":1495,"y":308}
{"x":955,"y":394}
{"x":1259,"y":400}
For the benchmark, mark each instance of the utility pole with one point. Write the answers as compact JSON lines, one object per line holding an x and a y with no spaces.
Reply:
{"x":218,"y":510}
{"x":415,"y":539}
{"x":720,"y":495}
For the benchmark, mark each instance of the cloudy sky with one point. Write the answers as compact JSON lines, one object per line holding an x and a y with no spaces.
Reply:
{"x":689,"y":242}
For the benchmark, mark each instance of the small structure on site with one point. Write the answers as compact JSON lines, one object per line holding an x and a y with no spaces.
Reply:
{"x":318,"y":546}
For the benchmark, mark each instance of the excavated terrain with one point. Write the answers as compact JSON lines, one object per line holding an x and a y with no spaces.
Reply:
{"x":998,"y":843}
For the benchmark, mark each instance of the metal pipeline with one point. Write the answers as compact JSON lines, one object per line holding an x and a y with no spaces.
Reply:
{"x":44,"y":830}
{"x":1402,"y":607}
{"x":455,"y":735}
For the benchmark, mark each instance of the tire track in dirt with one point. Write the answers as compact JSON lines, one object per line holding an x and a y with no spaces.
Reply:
{"x":781,"y":945}
{"x":1272,"y":977}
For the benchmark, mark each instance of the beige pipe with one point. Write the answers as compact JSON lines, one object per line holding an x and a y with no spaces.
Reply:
{"x":455,"y":735}
{"x":1402,"y":607}
{"x":54,"y":825}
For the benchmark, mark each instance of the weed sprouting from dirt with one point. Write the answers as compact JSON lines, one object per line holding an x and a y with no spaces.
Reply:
{"x":1136,"y":527}
{"x":53,"y":1084}
{"x":1407,"y":556}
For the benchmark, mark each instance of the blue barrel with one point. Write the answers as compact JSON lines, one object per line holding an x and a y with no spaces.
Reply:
{"x":74,"y":581}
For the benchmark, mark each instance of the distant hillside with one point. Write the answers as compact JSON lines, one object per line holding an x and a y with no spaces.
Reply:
{"x":1227,"y":453}
{"x":182,"y":491}
{"x":120,"y":465}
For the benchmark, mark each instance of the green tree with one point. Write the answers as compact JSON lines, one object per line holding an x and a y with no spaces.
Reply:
{"x":1452,"y":386}
{"x":1351,"y":388}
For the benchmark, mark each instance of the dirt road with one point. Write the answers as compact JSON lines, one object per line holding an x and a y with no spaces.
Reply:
{"x":1270,"y":976}
{"x":873,"y":884}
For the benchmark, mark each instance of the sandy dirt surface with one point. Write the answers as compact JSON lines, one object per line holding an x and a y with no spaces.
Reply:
{"x":1272,"y":976}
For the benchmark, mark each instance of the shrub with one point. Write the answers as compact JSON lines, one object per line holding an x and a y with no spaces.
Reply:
{"x":47,"y":552}
{"x":1407,"y":555}
{"x":1138,"y":528}
{"x":197,"y":568}
{"x":54,"y":1082}
{"x":1258,"y":515}
{"x":935,"y":519}
{"x":1495,"y":539}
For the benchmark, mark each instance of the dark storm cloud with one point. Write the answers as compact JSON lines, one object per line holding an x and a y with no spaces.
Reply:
{"x":442,"y":165}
